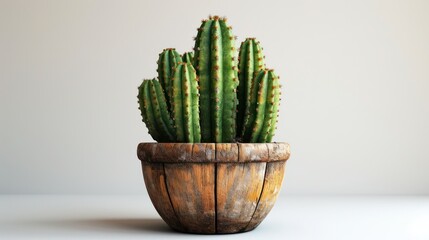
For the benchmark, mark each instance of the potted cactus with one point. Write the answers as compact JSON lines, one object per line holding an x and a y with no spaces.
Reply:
{"x":213,"y":116}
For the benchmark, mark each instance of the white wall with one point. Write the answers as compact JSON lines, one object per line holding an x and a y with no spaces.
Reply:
{"x":355,"y":77}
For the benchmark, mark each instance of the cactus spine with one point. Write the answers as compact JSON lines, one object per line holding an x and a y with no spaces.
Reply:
{"x":167,"y":62}
{"x":216,"y":67}
{"x":250,"y":62}
{"x":185,"y":104}
{"x":261,"y":116}
{"x":188,"y":57}
{"x":153,"y":107}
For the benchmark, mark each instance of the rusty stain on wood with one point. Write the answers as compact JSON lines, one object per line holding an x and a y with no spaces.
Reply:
{"x":213,"y":188}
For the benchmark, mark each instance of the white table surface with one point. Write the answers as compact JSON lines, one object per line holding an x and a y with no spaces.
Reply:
{"x":293,"y":217}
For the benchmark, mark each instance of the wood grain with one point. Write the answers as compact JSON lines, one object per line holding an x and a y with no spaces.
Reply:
{"x":272,"y":184}
{"x":211,"y":152}
{"x":155,"y":184}
{"x":239,"y":187}
{"x":253,"y":152}
{"x":226,"y":152}
{"x":191,"y":188}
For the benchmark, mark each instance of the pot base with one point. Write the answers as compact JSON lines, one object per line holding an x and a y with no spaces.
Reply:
{"x":214,"y":196}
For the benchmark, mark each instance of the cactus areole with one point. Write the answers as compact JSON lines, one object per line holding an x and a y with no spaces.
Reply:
{"x":214,"y":94}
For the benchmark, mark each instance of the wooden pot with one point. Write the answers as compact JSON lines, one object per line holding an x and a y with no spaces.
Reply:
{"x":213,"y":188}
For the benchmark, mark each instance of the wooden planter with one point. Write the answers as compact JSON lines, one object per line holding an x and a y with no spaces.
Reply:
{"x":213,"y":188}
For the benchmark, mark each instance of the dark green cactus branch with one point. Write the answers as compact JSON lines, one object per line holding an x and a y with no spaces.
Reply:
{"x":186,"y":104}
{"x":250,"y":62}
{"x":154,"y":110}
{"x":216,"y":67}
{"x":168,"y":60}
{"x":261,"y":116}
{"x":188,"y":57}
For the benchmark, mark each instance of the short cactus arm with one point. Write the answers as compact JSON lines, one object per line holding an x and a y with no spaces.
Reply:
{"x":162,"y":104}
{"x":147,"y":111}
{"x":261,"y":106}
{"x":188,"y":57}
{"x":275,"y":110}
{"x":160,"y":112}
{"x":270,"y":109}
{"x":260,"y":120}
{"x":230,"y":83}
{"x":250,"y":114}
{"x":168,"y":60}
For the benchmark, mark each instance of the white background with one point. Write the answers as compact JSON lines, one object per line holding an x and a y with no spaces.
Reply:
{"x":355,"y":90}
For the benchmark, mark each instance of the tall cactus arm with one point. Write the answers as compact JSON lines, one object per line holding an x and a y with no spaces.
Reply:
{"x":216,"y":67}
{"x":202,"y":63}
{"x":186,"y":104}
{"x":251,"y":61}
{"x":230,"y":78}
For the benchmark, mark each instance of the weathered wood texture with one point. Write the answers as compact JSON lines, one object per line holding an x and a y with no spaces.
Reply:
{"x":154,"y":178}
{"x":191,"y":188}
{"x":238,"y":189}
{"x":213,"y":188}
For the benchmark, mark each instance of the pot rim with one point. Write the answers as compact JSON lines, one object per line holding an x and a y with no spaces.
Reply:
{"x":152,"y":152}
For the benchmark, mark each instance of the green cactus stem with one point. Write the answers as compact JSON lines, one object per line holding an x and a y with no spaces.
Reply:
{"x":216,"y":66}
{"x":185,"y":104}
{"x":153,"y":107}
{"x":167,"y":62}
{"x":250,"y":62}
{"x":188,"y":57}
{"x":261,"y":116}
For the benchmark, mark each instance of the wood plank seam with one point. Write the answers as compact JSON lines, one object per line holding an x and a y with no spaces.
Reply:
{"x":262,"y":189}
{"x":169,"y":197}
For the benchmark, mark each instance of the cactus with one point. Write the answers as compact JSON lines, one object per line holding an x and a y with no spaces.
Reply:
{"x":153,"y":107}
{"x":185,"y":104}
{"x":216,"y":67}
{"x":210,"y":97}
{"x":188,"y":57}
{"x":167,"y":62}
{"x":250,"y":62}
{"x":261,"y":115}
